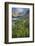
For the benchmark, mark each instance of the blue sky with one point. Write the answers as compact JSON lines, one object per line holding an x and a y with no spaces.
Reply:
{"x":20,"y":10}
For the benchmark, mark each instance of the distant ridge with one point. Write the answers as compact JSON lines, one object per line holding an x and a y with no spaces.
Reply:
{"x":26,"y":15}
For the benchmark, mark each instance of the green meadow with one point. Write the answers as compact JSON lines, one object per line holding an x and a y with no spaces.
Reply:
{"x":20,"y":28}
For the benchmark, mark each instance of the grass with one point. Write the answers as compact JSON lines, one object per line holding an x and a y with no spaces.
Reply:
{"x":20,"y":28}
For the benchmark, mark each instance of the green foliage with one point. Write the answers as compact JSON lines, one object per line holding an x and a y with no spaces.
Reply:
{"x":20,"y":28}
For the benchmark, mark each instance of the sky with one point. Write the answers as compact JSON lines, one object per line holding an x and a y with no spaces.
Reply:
{"x":19,"y":10}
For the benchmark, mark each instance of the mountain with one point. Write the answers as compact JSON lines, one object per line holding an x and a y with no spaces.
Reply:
{"x":21,"y":15}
